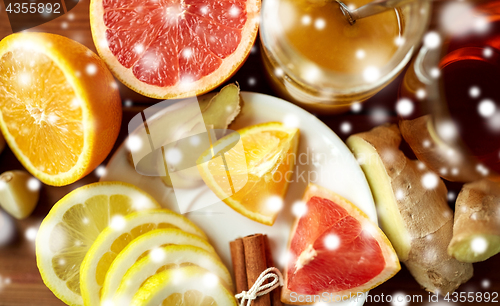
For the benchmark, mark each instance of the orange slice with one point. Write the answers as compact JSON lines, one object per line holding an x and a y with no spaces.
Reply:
{"x":60,"y":111}
{"x":335,"y":249}
{"x":258,"y":177}
{"x":174,"y":48}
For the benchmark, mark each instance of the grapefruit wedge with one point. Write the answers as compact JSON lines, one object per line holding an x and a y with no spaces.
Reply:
{"x":174,"y":48}
{"x":335,"y":250}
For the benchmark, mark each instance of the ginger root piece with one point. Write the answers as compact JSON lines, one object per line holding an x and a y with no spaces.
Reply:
{"x":218,"y":111}
{"x":440,"y":157}
{"x":413,"y":211}
{"x":476,"y":233}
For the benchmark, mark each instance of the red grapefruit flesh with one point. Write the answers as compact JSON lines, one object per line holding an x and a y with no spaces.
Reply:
{"x":174,"y":48}
{"x":335,"y":248}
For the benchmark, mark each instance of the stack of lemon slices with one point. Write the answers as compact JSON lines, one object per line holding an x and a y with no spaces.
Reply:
{"x":110,"y":243}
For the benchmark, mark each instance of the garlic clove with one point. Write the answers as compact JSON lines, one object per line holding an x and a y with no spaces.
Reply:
{"x":19,"y":193}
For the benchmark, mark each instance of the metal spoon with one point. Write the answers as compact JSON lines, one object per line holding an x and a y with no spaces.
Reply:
{"x":373,"y":8}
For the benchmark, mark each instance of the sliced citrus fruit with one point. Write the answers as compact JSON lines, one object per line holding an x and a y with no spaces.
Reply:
{"x":112,"y":240}
{"x":141,"y":247}
{"x":173,"y":49}
{"x":71,"y":227}
{"x":183,"y":287}
{"x":170,"y":258}
{"x":259,"y":181}
{"x":60,"y":111}
{"x":335,"y":248}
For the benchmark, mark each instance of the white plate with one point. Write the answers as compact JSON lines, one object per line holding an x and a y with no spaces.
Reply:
{"x":324,"y":156}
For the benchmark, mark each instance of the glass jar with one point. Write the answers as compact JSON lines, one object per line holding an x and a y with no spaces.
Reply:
{"x":455,"y":126}
{"x":302,"y":81}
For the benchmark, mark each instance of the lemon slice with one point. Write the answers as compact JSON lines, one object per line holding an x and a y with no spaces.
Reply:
{"x":71,"y":227}
{"x":140,"y":247}
{"x":255,"y":191}
{"x":169,"y":258}
{"x":183,"y":287}
{"x":118,"y":235}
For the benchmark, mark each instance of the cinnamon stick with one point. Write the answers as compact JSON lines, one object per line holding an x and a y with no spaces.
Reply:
{"x":276,"y":293}
{"x":256,"y":263}
{"x":239,"y":266}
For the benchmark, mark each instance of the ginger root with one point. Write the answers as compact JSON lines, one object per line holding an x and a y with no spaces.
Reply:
{"x":476,"y":232}
{"x":413,"y":210}
{"x":439,"y":156}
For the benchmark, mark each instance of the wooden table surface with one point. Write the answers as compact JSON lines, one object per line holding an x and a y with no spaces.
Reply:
{"x":20,"y":281}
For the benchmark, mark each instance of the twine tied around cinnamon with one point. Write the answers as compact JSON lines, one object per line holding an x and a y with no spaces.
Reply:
{"x":258,"y":289}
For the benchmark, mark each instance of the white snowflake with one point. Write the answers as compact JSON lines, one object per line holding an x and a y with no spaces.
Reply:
{"x":128,"y":103}
{"x":31,"y":233}
{"x":274,"y":203}
{"x":91,"y":69}
{"x":100,"y":171}
{"x":479,"y":245}
{"x":134,"y":143}
{"x":430,"y":180}
{"x":34,"y":184}
{"x":139,"y":48}
{"x":346,"y":127}
{"x":360,"y":54}
{"x":210,"y":280}
{"x":451,"y":196}
{"x":234,"y":11}
{"x":488,"y":52}
{"x":306,"y":20}
{"x":485,"y":284}
{"x":400,"y":195}
{"x":399,"y":299}
{"x":7,"y":229}
{"x":486,"y":108}
{"x":379,"y":115}
{"x":291,"y":120}
{"x":332,"y":242}
{"x":173,"y":156}
{"x":432,"y":40}
{"x":157,"y":255}
{"x":404,"y":107}
{"x":299,"y":209}
{"x":117,"y":223}
{"x":474,"y":92}
{"x":399,"y":41}
{"x":24,"y":79}
{"x":320,"y":24}
{"x":356,"y":107}
{"x":447,"y":130}
{"x":371,"y":74}
{"x":421,"y":94}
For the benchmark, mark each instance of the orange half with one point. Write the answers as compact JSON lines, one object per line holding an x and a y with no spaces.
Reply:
{"x":60,"y":110}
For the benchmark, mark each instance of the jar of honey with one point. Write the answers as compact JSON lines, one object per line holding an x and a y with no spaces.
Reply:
{"x":316,"y":59}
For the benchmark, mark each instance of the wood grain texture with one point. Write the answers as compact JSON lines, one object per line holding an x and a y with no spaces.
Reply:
{"x":20,"y":282}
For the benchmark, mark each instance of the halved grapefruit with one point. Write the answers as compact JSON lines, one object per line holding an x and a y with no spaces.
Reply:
{"x":174,"y":48}
{"x":335,"y":251}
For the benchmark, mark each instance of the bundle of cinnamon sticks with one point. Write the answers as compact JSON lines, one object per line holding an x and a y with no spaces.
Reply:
{"x":251,"y":256}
